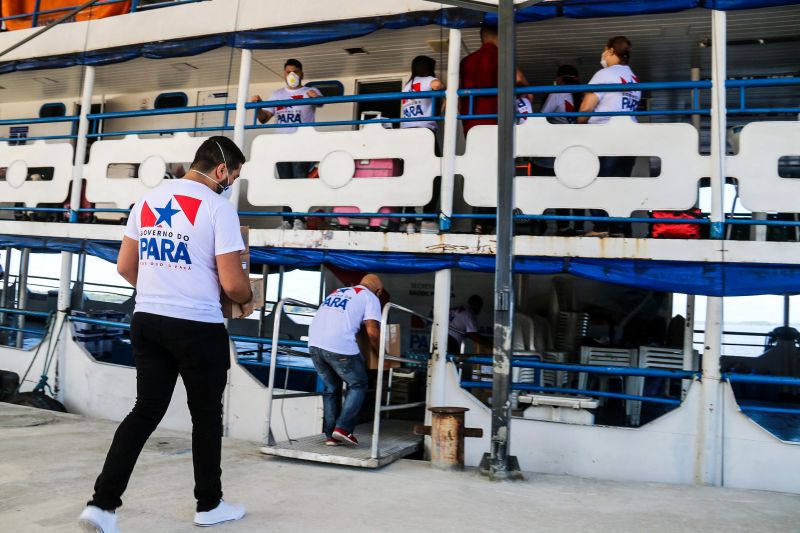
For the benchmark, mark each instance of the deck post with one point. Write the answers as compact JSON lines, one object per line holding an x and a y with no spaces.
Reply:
{"x":450,"y":131}
{"x":688,"y":343}
{"x":500,"y":465}
{"x":709,"y":446}
{"x":718,"y":122}
{"x":64,"y":298}
{"x":441,"y":328}
{"x":241,"y":113}
{"x":6,"y":275}
{"x":80,"y":143}
{"x":22,"y":293}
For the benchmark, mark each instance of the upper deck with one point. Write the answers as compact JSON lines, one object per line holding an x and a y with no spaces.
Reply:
{"x":132,"y":144}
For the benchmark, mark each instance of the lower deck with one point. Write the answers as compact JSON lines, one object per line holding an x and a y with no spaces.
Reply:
{"x":290,"y":496}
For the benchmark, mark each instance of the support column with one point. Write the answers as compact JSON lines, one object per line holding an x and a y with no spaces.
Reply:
{"x":450,"y":131}
{"x":22,"y":292}
{"x":709,"y":437}
{"x":63,"y":305}
{"x":241,"y":113}
{"x":688,"y":343}
{"x":500,"y":464}
{"x":80,"y":143}
{"x":718,"y":122}
{"x":441,"y":327}
{"x":6,"y":275}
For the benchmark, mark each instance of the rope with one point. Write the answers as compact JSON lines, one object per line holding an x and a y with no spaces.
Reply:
{"x":48,"y":327}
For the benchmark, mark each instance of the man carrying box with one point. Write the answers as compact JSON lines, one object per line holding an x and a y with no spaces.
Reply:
{"x":335,"y":353}
{"x":181,"y":246}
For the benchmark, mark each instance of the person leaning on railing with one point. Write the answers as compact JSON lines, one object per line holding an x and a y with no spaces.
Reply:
{"x":614,"y":60}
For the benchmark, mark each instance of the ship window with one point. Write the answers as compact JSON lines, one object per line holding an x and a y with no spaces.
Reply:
{"x":364,"y":168}
{"x":645,"y":166}
{"x":169,"y":100}
{"x":328,"y":88}
{"x":789,"y":166}
{"x":131,"y":170}
{"x":52,"y":109}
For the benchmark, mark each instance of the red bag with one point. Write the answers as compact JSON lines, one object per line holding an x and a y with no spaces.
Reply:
{"x":675,"y":230}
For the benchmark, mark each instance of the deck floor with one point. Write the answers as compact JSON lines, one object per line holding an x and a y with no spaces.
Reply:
{"x":397,"y":440}
{"x":49,"y":461}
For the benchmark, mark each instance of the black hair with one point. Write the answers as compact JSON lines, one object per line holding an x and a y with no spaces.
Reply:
{"x":423,"y":66}
{"x":216,"y":150}
{"x":475,"y":301}
{"x":488,"y":30}
{"x":622,"y":48}
{"x":293,"y":63}
{"x":568,"y":71}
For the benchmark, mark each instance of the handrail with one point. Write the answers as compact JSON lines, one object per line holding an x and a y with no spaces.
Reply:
{"x":591,"y":369}
{"x":562,"y":390}
{"x":269,"y":440}
{"x":24,"y":312}
{"x":734,"y":377}
{"x":376,"y":424}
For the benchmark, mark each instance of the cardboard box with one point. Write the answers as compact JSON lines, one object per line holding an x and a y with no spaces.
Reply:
{"x":392,"y":347}
{"x":231,"y":309}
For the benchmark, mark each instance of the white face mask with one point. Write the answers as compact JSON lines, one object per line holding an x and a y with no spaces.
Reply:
{"x":292,"y":80}
{"x":603,"y":61}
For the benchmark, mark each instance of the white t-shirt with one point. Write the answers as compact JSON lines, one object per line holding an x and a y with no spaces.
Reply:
{"x":559,"y":103}
{"x":292,"y":114}
{"x":418,"y":107}
{"x":462,"y":321}
{"x":616,"y":101}
{"x":524,"y":106}
{"x":180,"y":227}
{"x":339,"y":318}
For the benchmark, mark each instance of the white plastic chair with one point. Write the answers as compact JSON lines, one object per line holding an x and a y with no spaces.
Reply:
{"x":617,"y":357}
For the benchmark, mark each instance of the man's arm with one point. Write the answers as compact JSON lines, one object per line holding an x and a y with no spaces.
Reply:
{"x":589,"y":103}
{"x":128,"y":260}
{"x":373,"y":328}
{"x":233,"y":278}
{"x":313,"y":93}
{"x":262,"y":114}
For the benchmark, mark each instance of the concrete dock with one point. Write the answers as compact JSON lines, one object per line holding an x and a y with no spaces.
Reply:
{"x":48,"y":463}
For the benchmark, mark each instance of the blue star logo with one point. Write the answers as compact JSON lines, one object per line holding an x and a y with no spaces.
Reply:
{"x":165,"y":213}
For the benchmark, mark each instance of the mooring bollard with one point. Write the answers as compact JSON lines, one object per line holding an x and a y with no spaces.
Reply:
{"x":447,"y":433}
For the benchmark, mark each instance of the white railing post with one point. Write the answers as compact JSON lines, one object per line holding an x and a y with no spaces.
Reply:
{"x":241,"y":113}
{"x":441,"y":328}
{"x":376,"y":423}
{"x":450,"y":131}
{"x":709,"y":435}
{"x":80,"y":143}
{"x":718,"y":122}
{"x":273,"y":360}
{"x":64,"y":297}
{"x":688,"y":343}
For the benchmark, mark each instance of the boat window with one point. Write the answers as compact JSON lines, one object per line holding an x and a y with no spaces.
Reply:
{"x":644,"y":167}
{"x":364,"y":168}
{"x":168,"y":100}
{"x":52,"y":109}
{"x":789,"y":166}
{"x":328,"y":87}
{"x":131,"y":170}
{"x":34,"y":173}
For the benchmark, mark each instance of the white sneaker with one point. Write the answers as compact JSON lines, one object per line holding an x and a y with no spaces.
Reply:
{"x":285,"y":225}
{"x":224,"y":512}
{"x":411,"y":228}
{"x":95,"y":520}
{"x":298,"y":224}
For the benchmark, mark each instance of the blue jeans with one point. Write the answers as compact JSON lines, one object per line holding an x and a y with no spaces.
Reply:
{"x":335,"y":369}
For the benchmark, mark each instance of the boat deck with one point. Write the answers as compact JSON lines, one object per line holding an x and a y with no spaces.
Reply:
{"x":397,"y":441}
{"x":49,"y":461}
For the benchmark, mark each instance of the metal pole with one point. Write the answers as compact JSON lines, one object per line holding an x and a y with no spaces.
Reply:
{"x":450,"y":131}
{"x":80,"y":143}
{"x":241,"y":113}
{"x":81,"y":280}
{"x":695,"y":76}
{"x":718,"y":122}
{"x":22,"y":292}
{"x":262,"y":313}
{"x":709,"y":467}
{"x":6,"y":276}
{"x":64,"y":297}
{"x":501,"y":465}
{"x":786,"y":309}
{"x":688,"y":342}
{"x":441,"y":326}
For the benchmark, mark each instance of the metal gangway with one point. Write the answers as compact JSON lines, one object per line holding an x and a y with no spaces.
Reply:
{"x":384,"y":443}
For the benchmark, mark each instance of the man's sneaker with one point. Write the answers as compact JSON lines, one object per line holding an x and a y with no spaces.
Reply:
{"x":224,"y":512}
{"x":298,"y":224}
{"x":345,"y":437}
{"x":330,"y":441}
{"x":285,"y":225}
{"x":95,"y":520}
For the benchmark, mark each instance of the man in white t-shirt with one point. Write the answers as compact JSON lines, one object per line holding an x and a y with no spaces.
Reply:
{"x":181,"y":248}
{"x":337,"y":358}
{"x":464,"y":325}
{"x":291,"y":115}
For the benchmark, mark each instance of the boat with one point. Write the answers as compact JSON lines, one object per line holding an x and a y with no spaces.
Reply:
{"x":598,"y":378}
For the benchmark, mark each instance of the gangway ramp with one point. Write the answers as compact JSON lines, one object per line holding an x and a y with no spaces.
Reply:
{"x":380,"y":443}
{"x":397,"y":440}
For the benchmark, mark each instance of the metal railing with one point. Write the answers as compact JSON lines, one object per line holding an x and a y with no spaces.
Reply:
{"x":269,"y":440}
{"x":382,"y":358}
{"x":589,"y":369}
{"x":785,"y":381}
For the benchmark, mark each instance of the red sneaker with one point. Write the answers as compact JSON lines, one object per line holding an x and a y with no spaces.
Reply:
{"x":345,"y":437}
{"x":331,"y":442}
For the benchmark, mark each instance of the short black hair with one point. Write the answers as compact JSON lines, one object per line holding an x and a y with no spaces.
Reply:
{"x":423,"y":66}
{"x":475,"y":301}
{"x":488,"y":30}
{"x":216,"y":150}
{"x":567,"y":70}
{"x":293,"y":63}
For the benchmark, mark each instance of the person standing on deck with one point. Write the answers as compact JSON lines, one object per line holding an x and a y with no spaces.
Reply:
{"x":337,"y":358}
{"x":614,"y":60}
{"x":181,"y":247}
{"x":464,"y":324}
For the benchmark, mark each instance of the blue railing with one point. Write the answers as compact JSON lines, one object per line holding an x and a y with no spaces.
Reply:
{"x":136,"y":5}
{"x":785,"y":381}
{"x":589,"y":369}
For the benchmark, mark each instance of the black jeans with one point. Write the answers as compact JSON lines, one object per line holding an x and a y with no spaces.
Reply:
{"x":164,"y":348}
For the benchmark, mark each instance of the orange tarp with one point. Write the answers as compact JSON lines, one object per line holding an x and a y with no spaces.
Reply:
{"x":10,"y":8}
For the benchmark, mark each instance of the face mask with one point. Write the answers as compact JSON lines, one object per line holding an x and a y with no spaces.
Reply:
{"x":292,"y":80}
{"x":603,"y":61}
{"x":227,"y":175}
